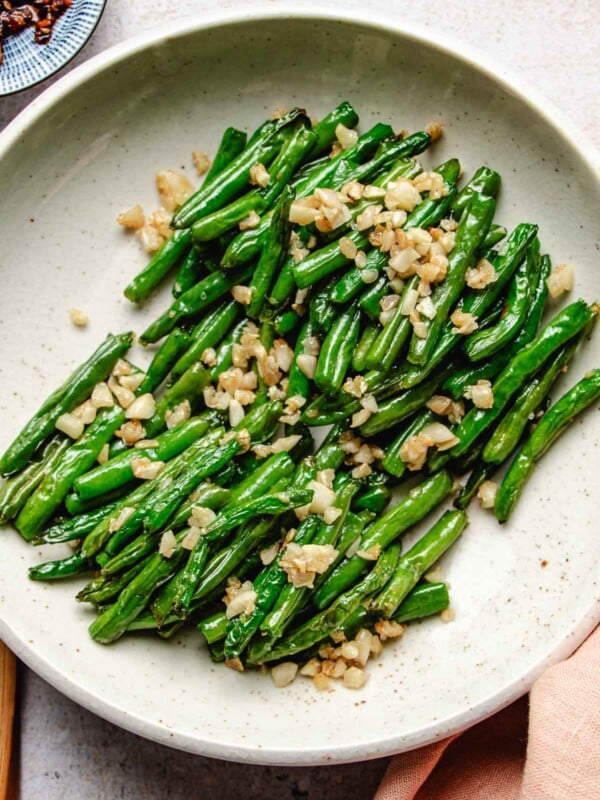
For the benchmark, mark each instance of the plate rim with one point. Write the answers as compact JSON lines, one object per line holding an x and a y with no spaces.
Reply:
{"x":561,"y":648}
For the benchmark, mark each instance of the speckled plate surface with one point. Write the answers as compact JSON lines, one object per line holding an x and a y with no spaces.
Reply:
{"x":524,"y":595}
{"x":26,"y":63}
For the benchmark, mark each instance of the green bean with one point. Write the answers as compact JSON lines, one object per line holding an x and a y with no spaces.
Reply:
{"x":495,"y":235}
{"x":207,"y":495}
{"x":332,"y":618}
{"x":17,"y":490}
{"x":505,"y":437}
{"x":481,"y":472}
{"x":305,"y":445}
{"x":176,"y":595}
{"x":432,"y":209}
{"x":263,"y":478}
{"x":310,"y":165}
{"x":412,"y":508}
{"x":370,"y":299}
{"x":424,"y":600}
{"x":401,"y":406}
{"x":211,"y":226}
{"x":536,"y":309}
{"x":98,"y":536}
{"x":292,"y":598}
{"x":224,"y":562}
{"x":299,"y":384}
{"x":272,"y":505}
{"x":169,"y":628}
{"x":456,"y":384}
{"x":189,"y":386}
{"x":350,"y":535}
{"x":336,"y":352}
{"x":99,"y":591}
{"x":325,"y":410}
{"x":564,"y":326}
{"x":48,"y":496}
{"x":75,"y":527}
{"x":111,"y":343}
{"x":392,"y":462}
{"x":154,"y":497}
{"x":390,"y":151}
{"x":247,"y":245}
{"x":393,"y":336}
{"x":76,"y":389}
{"x":321,"y":311}
{"x":283,"y":288}
{"x":214,"y":627}
{"x":465,"y":463}
{"x":416,"y":561}
{"x":261,"y":148}
{"x":490,"y":340}
{"x":273,"y":254}
{"x":325,"y":130}
{"x":330,"y":454}
{"x":266,"y":337}
{"x":190,"y":271}
{"x":554,"y":423}
{"x":287,"y":322}
{"x":260,"y":423}
{"x":351,"y":283}
{"x":75,"y":564}
{"x":302,"y":140}
{"x":471,"y":231}
{"x":230,"y":147}
{"x":427,"y":213}
{"x":164,"y":358}
{"x":402,"y":168}
{"x":113,"y":622}
{"x":268,"y":586}
{"x":208,"y":333}
{"x":171,"y":252}
{"x":327,"y":175}
{"x":375,"y":495}
{"x":368,"y":337}
{"x":485,"y":181}
{"x":224,"y":352}
{"x":197,"y":299}
{"x":326,"y":260}
{"x":478,"y":302}
{"x":75,"y":505}
{"x":118,"y":470}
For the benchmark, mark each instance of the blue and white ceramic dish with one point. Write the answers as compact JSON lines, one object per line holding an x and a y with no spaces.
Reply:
{"x":26,"y":63}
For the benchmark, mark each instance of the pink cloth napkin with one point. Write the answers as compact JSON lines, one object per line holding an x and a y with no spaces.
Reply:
{"x":553,"y":755}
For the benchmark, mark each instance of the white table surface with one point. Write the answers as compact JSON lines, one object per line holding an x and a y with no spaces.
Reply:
{"x":66,"y":753}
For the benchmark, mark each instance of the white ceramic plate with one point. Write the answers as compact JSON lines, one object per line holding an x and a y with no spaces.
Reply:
{"x":89,"y":148}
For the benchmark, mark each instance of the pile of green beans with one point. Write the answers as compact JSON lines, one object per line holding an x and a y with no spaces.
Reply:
{"x":208,"y":504}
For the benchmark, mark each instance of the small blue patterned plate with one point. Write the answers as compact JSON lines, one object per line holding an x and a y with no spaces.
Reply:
{"x":26,"y":63}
